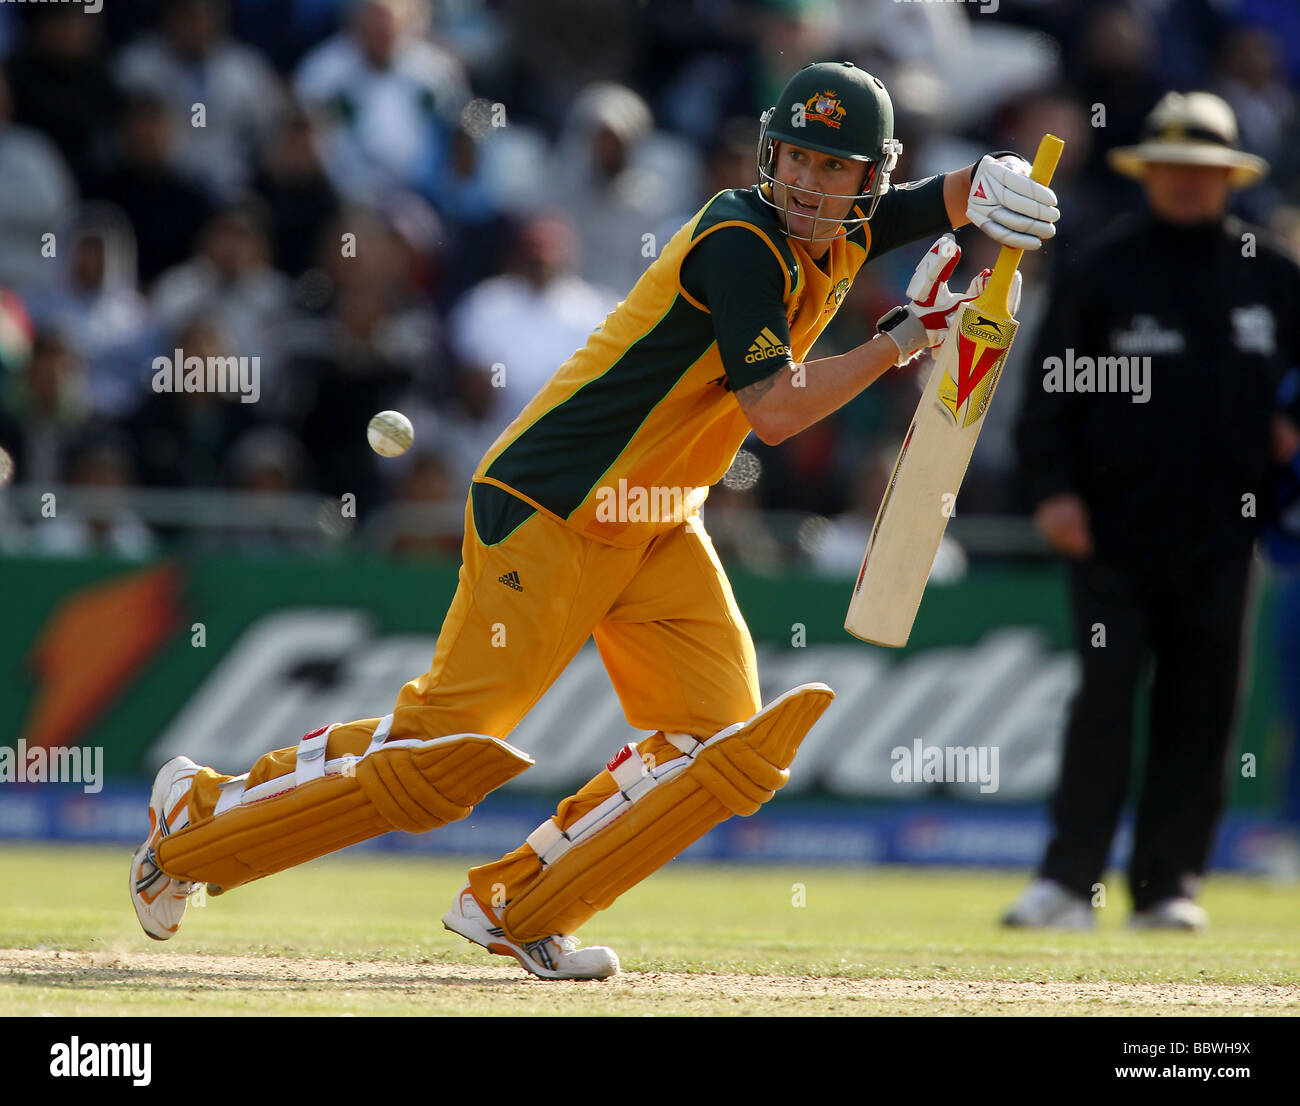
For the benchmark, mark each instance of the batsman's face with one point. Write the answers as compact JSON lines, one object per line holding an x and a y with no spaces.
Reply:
{"x":1187,"y":194}
{"x":816,"y":192}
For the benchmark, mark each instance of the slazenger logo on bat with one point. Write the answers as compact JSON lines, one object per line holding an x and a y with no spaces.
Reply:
{"x":982,"y":345}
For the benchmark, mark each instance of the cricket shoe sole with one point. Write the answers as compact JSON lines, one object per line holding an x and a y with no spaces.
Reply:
{"x":160,"y":900}
{"x":549,"y":958}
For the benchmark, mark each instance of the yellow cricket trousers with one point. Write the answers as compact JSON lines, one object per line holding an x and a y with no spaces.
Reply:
{"x":531,"y":591}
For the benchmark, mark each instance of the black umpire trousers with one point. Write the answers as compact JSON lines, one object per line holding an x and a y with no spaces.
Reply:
{"x":1191,"y":623}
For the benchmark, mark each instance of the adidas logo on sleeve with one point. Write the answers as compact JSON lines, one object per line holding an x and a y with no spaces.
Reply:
{"x":766,"y":346}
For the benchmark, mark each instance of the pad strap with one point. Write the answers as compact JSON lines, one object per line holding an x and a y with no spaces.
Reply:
{"x":545,"y":839}
{"x":683,"y":742}
{"x":310,"y":759}
{"x":381,"y":733}
{"x":232,"y":794}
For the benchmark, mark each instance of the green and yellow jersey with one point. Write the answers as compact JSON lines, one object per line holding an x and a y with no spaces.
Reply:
{"x":624,"y":441}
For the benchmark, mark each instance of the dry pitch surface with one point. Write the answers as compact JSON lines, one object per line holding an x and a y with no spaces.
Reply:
{"x":362,"y":936}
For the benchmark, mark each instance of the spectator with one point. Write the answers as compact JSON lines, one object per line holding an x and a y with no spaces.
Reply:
{"x":98,"y":308}
{"x":15,"y":353}
{"x":267,"y":463}
{"x":229,"y":280}
{"x":370,"y":347}
{"x":99,"y":522}
{"x":165,"y":210}
{"x":394,"y":254}
{"x":551,"y":60}
{"x":181,"y":437}
{"x":427,"y":494}
{"x":350,"y":375}
{"x":194,"y":63}
{"x":37,"y":194}
{"x":1114,"y":53}
{"x":299,"y":197}
{"x":62,"y":87}
{"x":387,"y":99}
{"x":616,"y":185}
{"x":1252,"y":80}
{"x":15,"y":334}
{"x":700,"y":66}
{"x":47,"y":411}
{"x":729,"y":162}
{"x":266,"y":460}
{"x":286,"y":29}
{"x":124,"y":23}
{"x":510,"y":332}
{"x":467,"y":192}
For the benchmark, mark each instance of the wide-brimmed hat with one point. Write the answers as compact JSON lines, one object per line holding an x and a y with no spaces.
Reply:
{"x":1192,"y":128}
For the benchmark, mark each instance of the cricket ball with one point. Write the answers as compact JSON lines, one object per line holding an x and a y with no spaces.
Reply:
{"x":390,"y":433}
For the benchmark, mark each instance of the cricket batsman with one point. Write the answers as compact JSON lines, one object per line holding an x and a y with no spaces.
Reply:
{"x":583,"y":520}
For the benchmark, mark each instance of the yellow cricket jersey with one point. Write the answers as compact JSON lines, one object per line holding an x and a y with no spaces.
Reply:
{"x":624,"y":441}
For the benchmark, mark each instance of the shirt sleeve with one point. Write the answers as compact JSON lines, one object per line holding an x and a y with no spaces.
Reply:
{"x":908,"y":212}
{"x":735,"y":274}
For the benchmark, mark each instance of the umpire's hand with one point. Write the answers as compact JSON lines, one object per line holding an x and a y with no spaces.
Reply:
{"x":1063,"y":521}
{"x":1286,"y":440}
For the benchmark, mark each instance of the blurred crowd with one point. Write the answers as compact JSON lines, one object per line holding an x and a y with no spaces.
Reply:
{"x":427,"y":205}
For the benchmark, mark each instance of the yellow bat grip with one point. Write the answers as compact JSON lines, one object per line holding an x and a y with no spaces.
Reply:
{"x":998,"y":288}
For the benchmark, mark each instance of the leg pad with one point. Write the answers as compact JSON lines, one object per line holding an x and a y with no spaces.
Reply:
{"x":328,"y":805}
{"x":657,"y":812}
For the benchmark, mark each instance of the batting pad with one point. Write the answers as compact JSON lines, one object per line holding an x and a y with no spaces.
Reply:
{"x":657,"y":812}
{"x":327,"y":805}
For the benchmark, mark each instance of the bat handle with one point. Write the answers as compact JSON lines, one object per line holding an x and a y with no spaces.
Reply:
{"x":998,"y":289}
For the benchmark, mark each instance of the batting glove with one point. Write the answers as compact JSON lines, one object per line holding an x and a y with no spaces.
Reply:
{"x":1009,"y":207}
{"x":923,"y":323}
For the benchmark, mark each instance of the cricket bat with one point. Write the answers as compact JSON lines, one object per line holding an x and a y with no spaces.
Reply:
{"x":922,"y":492}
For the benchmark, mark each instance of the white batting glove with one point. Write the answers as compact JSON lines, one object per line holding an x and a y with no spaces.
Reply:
{"x":923,"y":323}
{"x":1009,"y":207}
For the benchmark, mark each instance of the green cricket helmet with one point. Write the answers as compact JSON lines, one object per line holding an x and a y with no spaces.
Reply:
{"x":834,"y":108}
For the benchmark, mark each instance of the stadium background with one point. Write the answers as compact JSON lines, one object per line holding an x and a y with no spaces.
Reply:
{"x":436,"y":238}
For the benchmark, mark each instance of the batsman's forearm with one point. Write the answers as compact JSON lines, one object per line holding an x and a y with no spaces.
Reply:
{"x":807,"y":393}
{"x":956,"y":191}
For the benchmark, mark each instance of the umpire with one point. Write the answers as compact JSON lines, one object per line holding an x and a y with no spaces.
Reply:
{"x":1148,"y":452}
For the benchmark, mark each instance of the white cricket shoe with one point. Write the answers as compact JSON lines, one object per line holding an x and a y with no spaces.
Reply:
{"x":549,"y":958}
{"x":1046,"y":904}
{"x":1175,"y":913}
{"x":160,"y":900}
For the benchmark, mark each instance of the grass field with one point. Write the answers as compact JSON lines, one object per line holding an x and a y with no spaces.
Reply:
{"x":364,"y":936}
